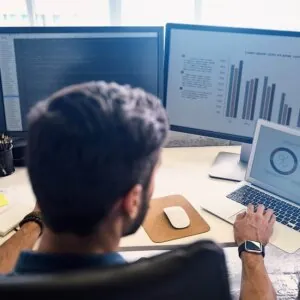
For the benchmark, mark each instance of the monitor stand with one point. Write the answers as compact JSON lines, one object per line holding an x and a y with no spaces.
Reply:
{"x":231,"y":166}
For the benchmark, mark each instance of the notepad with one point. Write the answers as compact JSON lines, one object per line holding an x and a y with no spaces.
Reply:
{"x":3,"y":200}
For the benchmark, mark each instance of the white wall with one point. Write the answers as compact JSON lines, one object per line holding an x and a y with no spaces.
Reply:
{"x":268,"y":14}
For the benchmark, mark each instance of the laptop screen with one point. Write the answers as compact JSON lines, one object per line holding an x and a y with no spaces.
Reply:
{"x":276,"y":163}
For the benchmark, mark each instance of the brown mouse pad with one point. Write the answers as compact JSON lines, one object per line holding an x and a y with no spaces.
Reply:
{"x":158,"y":226}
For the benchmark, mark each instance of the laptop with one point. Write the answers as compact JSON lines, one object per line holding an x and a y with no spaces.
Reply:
{"x":272,"y":179}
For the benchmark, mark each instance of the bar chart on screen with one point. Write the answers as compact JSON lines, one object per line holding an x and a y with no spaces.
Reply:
{"x":251,"y":100}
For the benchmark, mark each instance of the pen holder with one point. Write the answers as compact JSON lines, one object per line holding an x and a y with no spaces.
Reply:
{"x":6,"y":162}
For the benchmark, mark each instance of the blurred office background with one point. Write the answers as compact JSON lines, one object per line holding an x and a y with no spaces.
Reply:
{"x":269,"y":14}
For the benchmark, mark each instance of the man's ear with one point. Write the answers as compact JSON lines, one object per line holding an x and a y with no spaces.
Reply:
{"x":132,"y":201}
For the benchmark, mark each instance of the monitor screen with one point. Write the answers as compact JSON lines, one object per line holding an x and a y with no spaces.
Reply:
{"x":220,"y":81}
{"x":36,"y":62}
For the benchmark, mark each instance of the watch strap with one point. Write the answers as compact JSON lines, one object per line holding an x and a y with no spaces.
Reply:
{"x":243,"y":248}
{"x":35,"y":217}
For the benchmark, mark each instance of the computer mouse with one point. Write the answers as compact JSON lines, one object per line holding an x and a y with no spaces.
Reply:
{"x":177,"y":217}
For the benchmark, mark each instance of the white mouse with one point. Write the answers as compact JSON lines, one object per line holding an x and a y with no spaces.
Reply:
{"x":177,"y":217}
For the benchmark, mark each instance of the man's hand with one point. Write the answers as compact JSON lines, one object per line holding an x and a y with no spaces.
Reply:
{"x":254,"y":226}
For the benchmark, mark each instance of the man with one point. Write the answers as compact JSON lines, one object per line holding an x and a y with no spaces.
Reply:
{"x":93,"y":152}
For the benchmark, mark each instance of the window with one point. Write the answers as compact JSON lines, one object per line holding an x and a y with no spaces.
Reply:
{"x":71,"y":12}
{"x":157,"y":12}
{"x":14,"y":13}
{"x":267,"y":14}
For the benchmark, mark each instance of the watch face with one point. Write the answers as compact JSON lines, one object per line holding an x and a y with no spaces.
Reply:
{"x":252,"y":246}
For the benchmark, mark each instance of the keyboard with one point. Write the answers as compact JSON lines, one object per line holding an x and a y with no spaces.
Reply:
{"x":286,"y":214}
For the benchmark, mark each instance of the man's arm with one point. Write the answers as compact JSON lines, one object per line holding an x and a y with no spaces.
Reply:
{"x":255,"y":280}
{"x":24,"y":239}
{"x":255,"y":226}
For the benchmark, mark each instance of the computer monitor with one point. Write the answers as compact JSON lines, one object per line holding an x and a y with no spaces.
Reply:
{"x":219,"y":81}
{"x":35,"y":62}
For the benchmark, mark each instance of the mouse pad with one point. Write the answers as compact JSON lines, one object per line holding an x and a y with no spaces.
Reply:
{"x":158,"y":227}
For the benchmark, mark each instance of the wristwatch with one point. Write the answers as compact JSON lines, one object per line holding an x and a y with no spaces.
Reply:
{"x":36,"y":217}
{"x":252,"y":247}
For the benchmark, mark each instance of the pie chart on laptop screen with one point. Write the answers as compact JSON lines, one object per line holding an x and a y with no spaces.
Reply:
{"x":283,"y":161}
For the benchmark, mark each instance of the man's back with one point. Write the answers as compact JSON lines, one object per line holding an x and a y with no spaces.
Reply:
{"x":35,"y":263}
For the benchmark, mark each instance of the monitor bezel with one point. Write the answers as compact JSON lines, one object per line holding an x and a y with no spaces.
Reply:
{"x":168,"y":33}
{"x":90,"y":29}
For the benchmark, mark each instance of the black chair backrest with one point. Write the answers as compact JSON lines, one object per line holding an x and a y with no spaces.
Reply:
{"x":197,"y":271}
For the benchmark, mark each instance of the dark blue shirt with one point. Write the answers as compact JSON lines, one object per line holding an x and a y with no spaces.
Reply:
{"x":41,"y":263}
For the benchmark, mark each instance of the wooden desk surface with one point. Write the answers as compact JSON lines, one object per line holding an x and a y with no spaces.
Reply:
{"x":184,"y":171}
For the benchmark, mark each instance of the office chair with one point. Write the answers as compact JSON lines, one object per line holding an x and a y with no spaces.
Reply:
{"x":196,"y":271}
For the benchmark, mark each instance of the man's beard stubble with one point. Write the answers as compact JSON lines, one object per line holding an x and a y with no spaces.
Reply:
{"x":135,"y":225}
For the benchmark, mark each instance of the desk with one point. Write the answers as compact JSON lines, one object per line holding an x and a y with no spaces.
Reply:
{"x":22,"y":191}
{"x":184,"y":171}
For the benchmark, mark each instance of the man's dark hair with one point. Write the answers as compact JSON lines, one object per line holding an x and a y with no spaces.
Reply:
{"x":88,"y":145}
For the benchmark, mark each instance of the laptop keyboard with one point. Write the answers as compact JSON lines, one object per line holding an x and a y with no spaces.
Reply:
{"x":286,"y":214}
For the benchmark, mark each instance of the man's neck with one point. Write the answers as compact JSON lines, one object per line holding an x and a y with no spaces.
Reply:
{"x":103,"y":241}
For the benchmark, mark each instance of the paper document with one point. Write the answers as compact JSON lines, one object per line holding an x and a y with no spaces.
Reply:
{"x":3,"y":200}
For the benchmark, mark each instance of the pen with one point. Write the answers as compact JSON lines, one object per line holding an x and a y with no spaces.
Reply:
{"x":5,"y":142}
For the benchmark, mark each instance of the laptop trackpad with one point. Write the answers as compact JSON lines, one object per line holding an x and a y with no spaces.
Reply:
{"x":232,"y":218}
{"x":224,"y":208}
